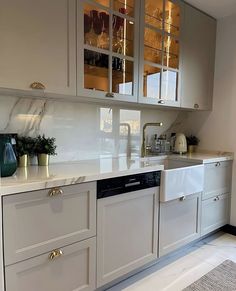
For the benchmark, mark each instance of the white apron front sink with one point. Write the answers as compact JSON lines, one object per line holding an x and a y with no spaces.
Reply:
{"x":181,"y":180}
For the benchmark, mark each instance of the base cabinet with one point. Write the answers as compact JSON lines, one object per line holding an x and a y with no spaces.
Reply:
{"x":179,"y":223}
{"x":74,"y":270}
{"x":127,"y":230}
{"x":218,"y":177}
{"x":215,"y":213}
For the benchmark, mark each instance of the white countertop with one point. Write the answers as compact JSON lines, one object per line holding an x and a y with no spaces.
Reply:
{"x":204,"y":157}
{"x":62,"y":174}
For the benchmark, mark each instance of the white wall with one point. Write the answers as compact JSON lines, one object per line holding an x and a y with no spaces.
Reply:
{"x":217,"y":130}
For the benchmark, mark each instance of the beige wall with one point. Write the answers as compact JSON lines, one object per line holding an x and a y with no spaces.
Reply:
{"x":217,"y":130}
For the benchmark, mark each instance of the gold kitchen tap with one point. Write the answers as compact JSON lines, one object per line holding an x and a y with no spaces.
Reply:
{"x":146,"y":148}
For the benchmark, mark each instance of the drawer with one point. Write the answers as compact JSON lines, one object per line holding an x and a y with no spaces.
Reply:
{"x":73,"y":270}
{"x":35,"y":222}
{"x":218,"y":177}
{"x":179,"y":223}
{"x":215,"y":213}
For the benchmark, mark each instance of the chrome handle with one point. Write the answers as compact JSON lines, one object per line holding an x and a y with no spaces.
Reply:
{"x":182,"y":198}
{"x":55,"y":254}
{"x":37,"y":86}
{"x":196,"y":106}
{"x":55,"y":192}
{"x":161,"y":102}
{"x":110,"y":95}
{"x":132,"y":184}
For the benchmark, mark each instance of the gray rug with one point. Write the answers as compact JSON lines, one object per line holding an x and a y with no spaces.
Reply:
{"x":222,"y":278}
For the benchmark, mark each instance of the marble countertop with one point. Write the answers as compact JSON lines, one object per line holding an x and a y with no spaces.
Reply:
{"x":35,"y":178}
{"x":62,"y":174}
{"x":204,"y":157}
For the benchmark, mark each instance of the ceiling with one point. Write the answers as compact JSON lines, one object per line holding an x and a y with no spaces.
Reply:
{"x":215,"y":8}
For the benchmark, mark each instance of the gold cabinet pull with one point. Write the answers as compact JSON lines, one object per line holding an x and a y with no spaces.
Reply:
{"x":182,"y":198}
{"x":55,"y":192}
{"x":37,"y":86}
{"x":161,"y":102}
{"x":196,"y":106}
{"x":55,"y":254}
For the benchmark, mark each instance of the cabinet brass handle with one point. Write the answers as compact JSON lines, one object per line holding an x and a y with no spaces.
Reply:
{"x":37,"y":86}
{"x":217,"y":164}
{"x":55,"y":254}
{"x":182,"y":198}
{"x":217,"y":198}
{"x":55,"y":192}
{"x":196,"y":106}
{"x":161,"y":102}
{"x":110,"y":95}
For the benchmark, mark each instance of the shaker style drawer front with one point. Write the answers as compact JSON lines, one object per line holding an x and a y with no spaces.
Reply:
{"x":179,"y":223}
{"x":215,"y":213}
{"x":70,"y":268}
{"x":218,"y":178}
{"x":36,"y":222}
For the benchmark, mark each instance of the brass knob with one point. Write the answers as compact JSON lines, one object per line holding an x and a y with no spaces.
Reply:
{"x":110,"y":95}
{"x":55,"y":254}
{"x":161,"y":102}
{"x":182,"y":198}
{"x":37,"y":86}
{"x":55,"y":192}
{"x":196,"y":106}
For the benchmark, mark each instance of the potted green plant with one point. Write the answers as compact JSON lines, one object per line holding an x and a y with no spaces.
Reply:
{"x":22,"y":151}
{"x":44,"y":148}
{"x":192,"y":142}
{"x":25,"y":147}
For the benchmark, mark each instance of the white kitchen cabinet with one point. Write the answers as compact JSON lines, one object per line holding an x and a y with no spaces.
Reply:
{"x":38,"y":44}
{"x":127,"y":230}
{"x":179,"y":223}
{"x":218,"y":178}
{"x":160,"y":50}
{"x":73,"y":270}
{"x":35,"y":222}
{"x":215,"y":213}
{"x":198,"y":59}
{"x":107,"y":49}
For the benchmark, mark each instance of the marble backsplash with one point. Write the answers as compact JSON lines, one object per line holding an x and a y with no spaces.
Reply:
{"x":84,"y":130}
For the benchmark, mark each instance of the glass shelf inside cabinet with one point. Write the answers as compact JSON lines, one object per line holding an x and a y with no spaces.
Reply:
{"x":152,"y":46}
{"x":123,"y":36}
{"x":171,"y":52}
{"x":105,"y":3}
{"x":96,"y":27}
{"x":151,"y":82}
{"x":122,"y":76}
{"x":154,"y":13}
{"x":172,"y":18}
{"x":124,"y":7}
{"x":96,"y":72}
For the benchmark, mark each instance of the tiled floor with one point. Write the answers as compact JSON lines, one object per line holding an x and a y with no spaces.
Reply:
{"x":185,"y":267}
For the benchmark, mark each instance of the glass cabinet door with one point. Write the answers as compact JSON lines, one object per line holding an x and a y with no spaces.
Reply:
{"x":160,"y":52}
{"x":107,"y":48}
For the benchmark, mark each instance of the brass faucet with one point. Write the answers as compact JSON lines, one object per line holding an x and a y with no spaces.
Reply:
{"x":145,"y":147}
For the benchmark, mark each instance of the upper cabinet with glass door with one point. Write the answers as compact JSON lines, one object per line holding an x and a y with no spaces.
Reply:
{"x":160,"y":52}
{"x":107,"y":49}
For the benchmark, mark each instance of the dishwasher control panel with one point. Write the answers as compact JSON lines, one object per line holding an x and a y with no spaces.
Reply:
{"x":125,"y":184}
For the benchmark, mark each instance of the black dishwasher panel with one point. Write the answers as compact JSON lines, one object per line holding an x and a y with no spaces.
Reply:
{"x":125,"y":184}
